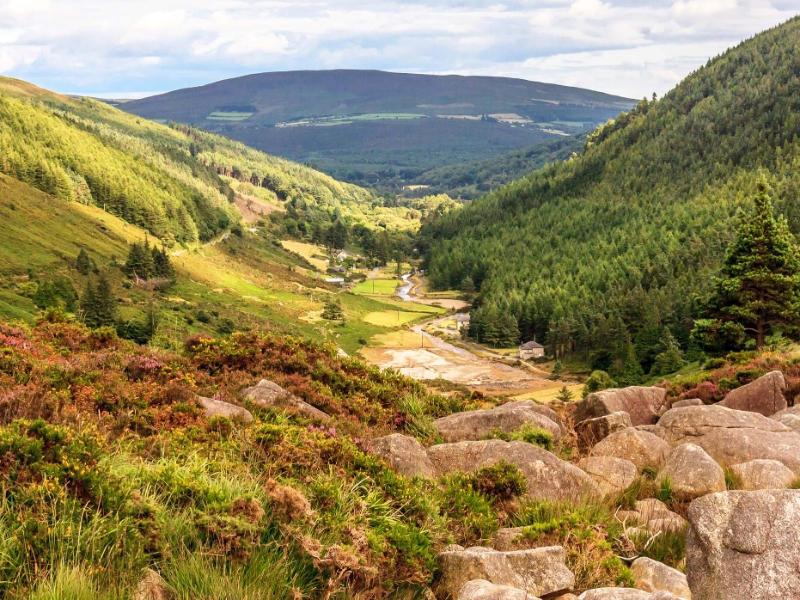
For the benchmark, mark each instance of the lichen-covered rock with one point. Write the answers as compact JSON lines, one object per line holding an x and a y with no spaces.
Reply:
{"x":548,"y":477}
{"x":763,"y":475}
{"x":612,"y":475}
{"x":480,"y":589}
{"x":691,"y":422}
{"x":641,"y":448}
{"x":404,"y":454}
{"x":591,"y":431}
{"x":763,"y":396}
{"x":540,"y":571}
{"x":269,"y":394}
{"x":743,"y":545}
{"x":641,"y":403}
{"x":507,"y":538}
{"x":477,"y":424}
{"x":217,"y":408}
{"x":653,"y":576}
{"x":692,"y":472}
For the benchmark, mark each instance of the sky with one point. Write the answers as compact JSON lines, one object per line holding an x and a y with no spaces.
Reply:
{"x":133,"y":48}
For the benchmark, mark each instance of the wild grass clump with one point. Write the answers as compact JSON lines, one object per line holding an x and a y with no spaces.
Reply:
{"x":587,"y":531}
{"x":527,"y":433}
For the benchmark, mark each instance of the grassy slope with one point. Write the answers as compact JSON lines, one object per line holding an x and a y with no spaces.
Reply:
{"x":252,"y":280}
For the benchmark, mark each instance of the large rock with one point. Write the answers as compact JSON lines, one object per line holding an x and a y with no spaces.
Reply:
{"x":643,"y":404}
{"x":732,"y":436}
{"x":404,"y":454}
{"x":791,"y":420}
{"x":764,"y":475}
{"x":764,"y":395}
{"x":692,"y":472}
{"x":612,"y":475}
{"x":641,"y":448}
{"x":480,"y":589}
{"x":151,"y":587}
{"x":653,"y":576}
{"x":548,"y":477}
{"x":691,"y":422}
{"x":270,"y":395}
{"x":687,"y":402}
{"x":743,"y":546}
{"x":217,"y":408}
{"x":591,"y":431}
{"x":539,"y":571}
{"x":654,"y":516}
{"x":477,"y":424}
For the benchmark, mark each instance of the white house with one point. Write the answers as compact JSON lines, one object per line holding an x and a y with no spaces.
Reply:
{"x":462,"y":321}
{"x":530,"y":350}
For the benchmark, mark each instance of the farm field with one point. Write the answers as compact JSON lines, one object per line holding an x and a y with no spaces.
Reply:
{"x":377,"y":287}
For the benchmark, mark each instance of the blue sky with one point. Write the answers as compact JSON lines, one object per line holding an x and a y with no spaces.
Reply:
{"x":134,"y":47}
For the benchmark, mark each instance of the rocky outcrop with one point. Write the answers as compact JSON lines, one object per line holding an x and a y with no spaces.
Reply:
{"x":653,"y":516}
{"x":641,"y":448}
{"x":743,"y":545}
{"x":548,"y":477}
{"x":763,"y":396}
{"x":763,"y":475}
{"x":270,"y":395}
{"x":477,"y":424}
{"x":217,"y":408}
{"x":612,"y":475}
{"x":732,"y":436}
{"x":790,"y":420}
{"x":540,"y":571}
{"x":480,"y":589}
{"x":692,"y":472}
{"x":591,"y":431}
{"x":643,"y":404}
{"x":404,"y":454}
{"x":653,"y":576}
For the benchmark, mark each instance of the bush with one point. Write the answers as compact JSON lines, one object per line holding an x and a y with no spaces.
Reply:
{"x":502,"y":481}
{"x":714,"y":363}
{"x":598,"y":380}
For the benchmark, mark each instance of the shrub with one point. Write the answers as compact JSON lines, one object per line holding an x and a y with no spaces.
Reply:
{"x":598,"y":380}
{"x":502,"y":481}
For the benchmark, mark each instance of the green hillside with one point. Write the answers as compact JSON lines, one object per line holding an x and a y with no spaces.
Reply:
{"x":615,"y":244}
{"x":370,"y":126}
{"x":174,"y":182}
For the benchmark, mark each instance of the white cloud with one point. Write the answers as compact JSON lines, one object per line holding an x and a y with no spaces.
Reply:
{"x":630,"y":47}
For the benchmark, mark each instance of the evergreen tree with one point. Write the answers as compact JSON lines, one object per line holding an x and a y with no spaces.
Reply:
{"x":759,"y":284}
{"x":83,"y":264}
{"x":98,"y":304}
{"x":558,"y":371}
{"x":332,"y":310}
{"x":670,"y":357}
{"x":162,"y":266}
{"x":564,"y":395}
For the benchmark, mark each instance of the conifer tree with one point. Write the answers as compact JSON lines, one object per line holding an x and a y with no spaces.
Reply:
{"x":564,"y":395}
{"x":162,"y":266}
{"x":759,"y":284}
{"x":332,"y":311}
{"x":82,"y":263}
{"x":558,"y":371}
{"x":98,"y":304}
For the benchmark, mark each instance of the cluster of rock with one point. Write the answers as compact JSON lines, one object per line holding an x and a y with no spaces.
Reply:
{"x":266,"y":394}
{"x":740,"y":544}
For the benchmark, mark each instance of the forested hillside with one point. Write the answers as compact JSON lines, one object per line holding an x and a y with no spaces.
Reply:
{"x":172,"y":181}
{"x":598,"y":254}
{"x":369,"y":127}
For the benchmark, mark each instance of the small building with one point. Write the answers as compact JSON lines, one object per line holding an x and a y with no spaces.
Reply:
{"x":530,"y":350}
{"x":337,"y":280}
{"x":462,"y":321}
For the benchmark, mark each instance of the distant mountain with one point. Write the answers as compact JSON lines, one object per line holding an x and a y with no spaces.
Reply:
{"x":372,"y":125}
{"x":612,"y":246}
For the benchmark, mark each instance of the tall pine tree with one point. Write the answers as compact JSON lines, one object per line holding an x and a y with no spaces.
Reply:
{"x":759,"y":285}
